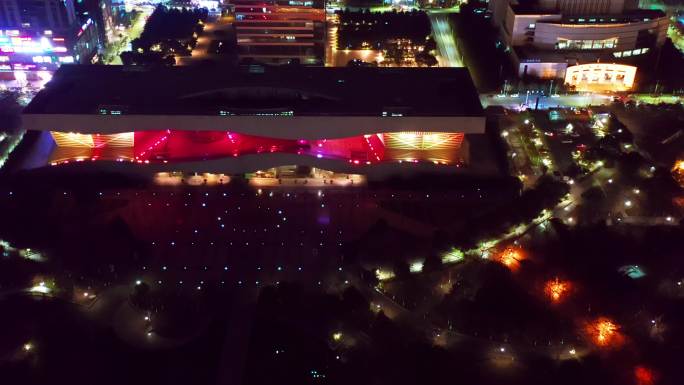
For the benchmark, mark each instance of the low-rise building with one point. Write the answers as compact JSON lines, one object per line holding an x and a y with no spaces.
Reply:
{"x":549,"y":35}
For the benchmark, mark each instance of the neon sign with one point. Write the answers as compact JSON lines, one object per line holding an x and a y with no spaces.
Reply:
{"x":27,"y":44}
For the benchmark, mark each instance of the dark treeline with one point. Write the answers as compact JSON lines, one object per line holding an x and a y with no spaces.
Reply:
{"x":375,"y":28}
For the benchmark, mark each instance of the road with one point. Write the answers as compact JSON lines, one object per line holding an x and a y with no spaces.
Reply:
{"x":449,"y":56}
{"x":201,"y":50}
{"x":517,"y":101}
{"x":114,"y":49}
{"x":524,"y":101}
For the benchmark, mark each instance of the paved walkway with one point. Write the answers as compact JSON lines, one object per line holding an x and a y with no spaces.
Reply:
{"x":236,"y":345}
{"x":201,"y":50}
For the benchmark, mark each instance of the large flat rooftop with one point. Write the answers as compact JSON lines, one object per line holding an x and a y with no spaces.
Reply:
{"x":257,"y":90}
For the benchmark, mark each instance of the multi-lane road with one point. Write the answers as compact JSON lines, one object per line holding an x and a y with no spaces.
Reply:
{"x":449,"y":56}
{"x":524,"y":100}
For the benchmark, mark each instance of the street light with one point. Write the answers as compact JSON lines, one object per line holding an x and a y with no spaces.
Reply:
{"x":628,"y":203}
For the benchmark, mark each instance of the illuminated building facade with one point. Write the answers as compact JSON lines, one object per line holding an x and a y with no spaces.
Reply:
{"x":280,"y":31}
{"x":551,"y":35}
{"x":254,"y":118}
{"x":601,"y":77}
{"x":41,"y":35}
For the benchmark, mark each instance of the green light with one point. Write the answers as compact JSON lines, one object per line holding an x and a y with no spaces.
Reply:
{"x":452,"y":256}
{"x":632,"y":271}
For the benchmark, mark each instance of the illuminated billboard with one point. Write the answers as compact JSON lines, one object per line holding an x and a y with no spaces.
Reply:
{"x":45,"y":49}
{"x":601,"y":77}
{"x":21,"y":42}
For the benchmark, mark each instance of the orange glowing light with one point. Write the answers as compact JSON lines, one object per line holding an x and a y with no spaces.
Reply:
{"x":679,"y":201}
{"x":678,"y":171}
{"x":679,"y":166}
{"x":556,"y":289}
{"x":511,"y":257}
{"x":604,"y":332}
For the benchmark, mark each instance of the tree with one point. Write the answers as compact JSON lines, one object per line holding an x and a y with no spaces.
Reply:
{"x":430,"y":44}
{"x":394,"y":54}
{"x":592,"y":205}
{"x":426,"y":59}
{"x":433,"y":262}
{"x":141,"y":295}
{"x":401,"y":268}
{"x":9,"y":112}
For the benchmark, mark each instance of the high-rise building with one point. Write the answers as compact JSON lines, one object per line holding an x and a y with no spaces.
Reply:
{"x":37,"y":14}
{"x":280,"y":31}
{"x":42,"y":34}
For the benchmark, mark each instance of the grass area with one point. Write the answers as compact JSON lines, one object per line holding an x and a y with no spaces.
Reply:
{"x":676,"y":37}
{"x":649,"y":99}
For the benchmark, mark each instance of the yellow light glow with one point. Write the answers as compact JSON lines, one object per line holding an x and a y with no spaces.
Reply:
{"x":383,"y":275}
{"x":423,"y":140}
{"x":511,"y":257}
{"x":40,"y":288}
{"x":679,"y":166}
{"x":601,"y":77}
{"x":72,"y":139}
